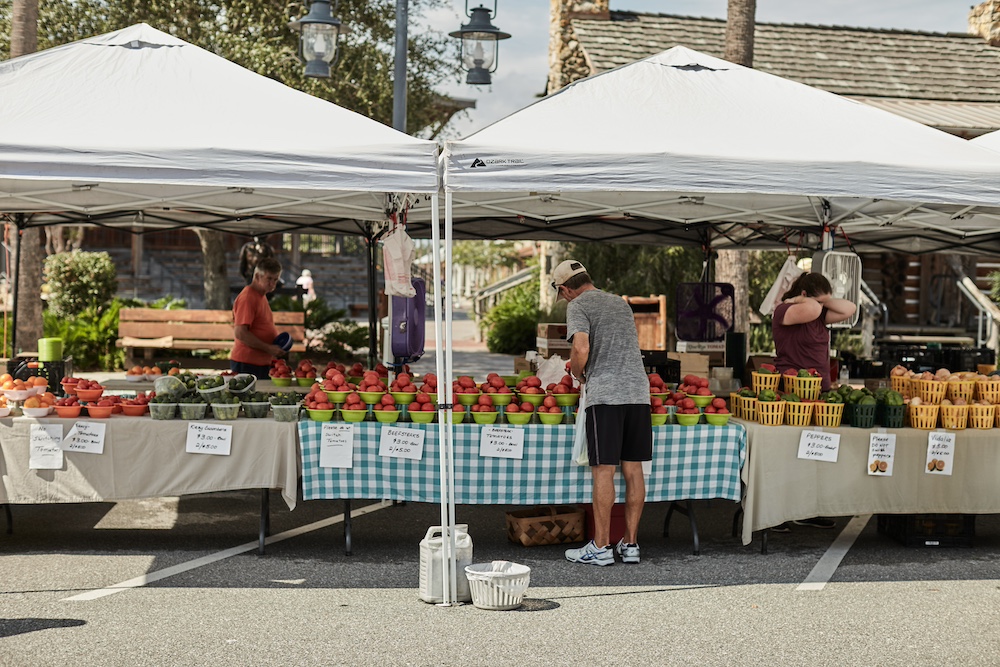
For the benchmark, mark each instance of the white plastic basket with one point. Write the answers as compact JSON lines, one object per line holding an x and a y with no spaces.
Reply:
{"x":498,"y":586}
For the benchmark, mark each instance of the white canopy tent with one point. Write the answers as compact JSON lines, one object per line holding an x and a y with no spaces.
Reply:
{"x":682,"y":146}
{"x":138,"y":126}
{"x":140,"y":130}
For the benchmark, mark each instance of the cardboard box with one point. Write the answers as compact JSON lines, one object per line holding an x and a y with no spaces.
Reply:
{"x":691,"y":363}
{"x":549,"y":346}
{"x":551,"y":330}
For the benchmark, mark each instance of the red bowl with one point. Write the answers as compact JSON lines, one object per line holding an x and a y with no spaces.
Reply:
{"x":69,"y":387}
{"x":68,"y":411}
{"x":89,"y":394}
{"x":99,"y":412}
{"x":134,"y":410}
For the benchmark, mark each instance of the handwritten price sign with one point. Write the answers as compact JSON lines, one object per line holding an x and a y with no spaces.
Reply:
{"x":940,"y":453}
{"x":819,"y":446}
{"x":44,"y":452}
{"x":502,"y":442}
{"x":209,"y":439}
{"x":403,"y":443}
{"x":336,"y":445}
{"x":87,"y":437}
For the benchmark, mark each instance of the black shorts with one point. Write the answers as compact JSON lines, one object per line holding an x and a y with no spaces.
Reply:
{"x":617,"y":433}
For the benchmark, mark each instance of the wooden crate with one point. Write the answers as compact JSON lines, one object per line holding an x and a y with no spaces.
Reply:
{"x":650,"y":320}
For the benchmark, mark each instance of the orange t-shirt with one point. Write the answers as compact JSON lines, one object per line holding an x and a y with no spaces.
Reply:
{"x":252,"y":310}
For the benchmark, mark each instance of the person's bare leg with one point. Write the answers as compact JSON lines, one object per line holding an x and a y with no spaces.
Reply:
{"x":635,"y":498}
{"x":604,"y":500}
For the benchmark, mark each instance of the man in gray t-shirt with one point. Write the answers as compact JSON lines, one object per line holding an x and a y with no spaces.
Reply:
{"x":605,"y":356}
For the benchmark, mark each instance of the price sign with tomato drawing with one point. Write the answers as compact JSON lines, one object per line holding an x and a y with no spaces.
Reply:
{"x":404,"y":443}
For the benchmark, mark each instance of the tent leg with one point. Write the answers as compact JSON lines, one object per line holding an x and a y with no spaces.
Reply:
{"x":16,"y":284}
{"x":372,"y":300}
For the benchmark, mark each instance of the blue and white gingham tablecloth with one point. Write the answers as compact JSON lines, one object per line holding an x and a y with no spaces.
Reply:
{"x":689,"y":463}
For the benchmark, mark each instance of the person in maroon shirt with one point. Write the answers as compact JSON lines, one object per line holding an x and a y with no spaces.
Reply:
{"x":801,"y":340}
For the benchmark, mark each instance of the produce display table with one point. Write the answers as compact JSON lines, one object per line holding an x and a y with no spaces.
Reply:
{"x":265,"y":386}
{"x":781,"y":487}
{"x":689,"y":463}
{"x":145,"y":458}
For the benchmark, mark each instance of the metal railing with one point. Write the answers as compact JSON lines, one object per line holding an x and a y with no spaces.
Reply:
{"x":988,"y":314}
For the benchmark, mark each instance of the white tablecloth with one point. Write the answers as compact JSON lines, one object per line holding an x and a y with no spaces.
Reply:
{"x":145,"y":458}
{"x":781,"y":487}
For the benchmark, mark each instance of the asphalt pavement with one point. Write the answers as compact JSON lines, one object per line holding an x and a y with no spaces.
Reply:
{"x":177,"y":581}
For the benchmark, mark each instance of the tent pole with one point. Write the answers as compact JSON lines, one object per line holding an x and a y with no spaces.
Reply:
{"x":373,"y":351}
{"x":443,"y":413}
{"x":449,"y":373}
{"x":19,"y":222}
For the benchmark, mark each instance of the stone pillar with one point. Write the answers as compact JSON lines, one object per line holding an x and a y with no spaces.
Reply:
{"x":566,"y":60}
{"x":984,"y":20}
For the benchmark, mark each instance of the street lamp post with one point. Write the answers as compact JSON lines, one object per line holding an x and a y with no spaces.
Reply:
{"x":479,"y":44}
{"x":320,"y":31}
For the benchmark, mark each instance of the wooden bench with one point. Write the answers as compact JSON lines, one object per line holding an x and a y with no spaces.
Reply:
{"x":150,"y":329}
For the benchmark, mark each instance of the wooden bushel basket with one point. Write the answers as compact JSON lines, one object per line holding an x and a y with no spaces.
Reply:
{"x":549,"y":524}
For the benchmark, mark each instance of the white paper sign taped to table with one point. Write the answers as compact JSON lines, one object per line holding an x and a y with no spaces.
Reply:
{"x":501,"y":441}
{"x":940,"y":453}
{"x":881,"y":453}
{"x":44,"y":452}
{"x":819,"y":446}
{"x":404,"y":443}
{"x":336,"y":445}
{"x":209,"y":439}
{"x":87,"y":437}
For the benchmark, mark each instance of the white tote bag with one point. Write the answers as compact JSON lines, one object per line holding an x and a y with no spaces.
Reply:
{"x":786,"y":276}
{"x":580,"y":436}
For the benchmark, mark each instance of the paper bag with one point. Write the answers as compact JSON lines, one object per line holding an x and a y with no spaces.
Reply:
{"x":580,"y":436}
{"x":397,"y":254}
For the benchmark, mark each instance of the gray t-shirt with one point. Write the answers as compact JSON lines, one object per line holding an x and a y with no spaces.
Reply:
{"x":615,"y":374}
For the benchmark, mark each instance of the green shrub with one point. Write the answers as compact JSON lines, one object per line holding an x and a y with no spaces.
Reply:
{"x":511,"y":326}
{"x":328,"y":329}
{"x":761,"y":340}
{"x":89,"y":336}
{"x":78,"y":281}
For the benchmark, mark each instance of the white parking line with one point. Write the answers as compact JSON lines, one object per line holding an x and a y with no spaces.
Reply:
{"x":828,"y":564}
{"x":158,"y":575}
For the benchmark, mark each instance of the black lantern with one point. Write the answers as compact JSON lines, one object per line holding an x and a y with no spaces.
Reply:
{"x":318,"y":41}
{"x":479,"y":44}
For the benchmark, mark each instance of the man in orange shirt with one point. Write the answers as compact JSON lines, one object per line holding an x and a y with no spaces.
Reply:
{"x":253,"y":323}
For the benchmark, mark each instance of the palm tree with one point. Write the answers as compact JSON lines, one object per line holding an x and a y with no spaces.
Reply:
{"x":731,"y":265}
{"x":28,"y":249}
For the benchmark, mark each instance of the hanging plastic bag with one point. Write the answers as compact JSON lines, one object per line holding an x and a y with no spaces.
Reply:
{"x":397,"y":255}
{"x":786,"y":276}
{"x":580,"y":436}
{"x":551,"y":370}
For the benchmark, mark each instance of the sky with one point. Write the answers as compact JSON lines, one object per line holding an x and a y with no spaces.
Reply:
{"x":522,"y":64}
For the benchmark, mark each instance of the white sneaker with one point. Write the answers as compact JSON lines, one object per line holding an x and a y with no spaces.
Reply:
{"x":591,"y":555}
{"x":628,"y":552}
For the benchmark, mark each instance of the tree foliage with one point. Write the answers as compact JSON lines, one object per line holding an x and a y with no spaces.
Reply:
{"x":80,"y":280}
{"x":485,"y":254}
{"x":639,"y":270}
{"x":255,"y":34}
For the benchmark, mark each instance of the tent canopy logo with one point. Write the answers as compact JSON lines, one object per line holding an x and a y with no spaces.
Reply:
{"x":495,"y":162}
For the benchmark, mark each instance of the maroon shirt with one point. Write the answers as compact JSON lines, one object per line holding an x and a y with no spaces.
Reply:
{"x":800,"y":346}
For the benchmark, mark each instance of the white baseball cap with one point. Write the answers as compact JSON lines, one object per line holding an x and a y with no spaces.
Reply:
{"x":565,"y":271}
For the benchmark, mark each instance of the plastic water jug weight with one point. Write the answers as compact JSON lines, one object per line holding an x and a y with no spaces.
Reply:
{"x":431,"y":578}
